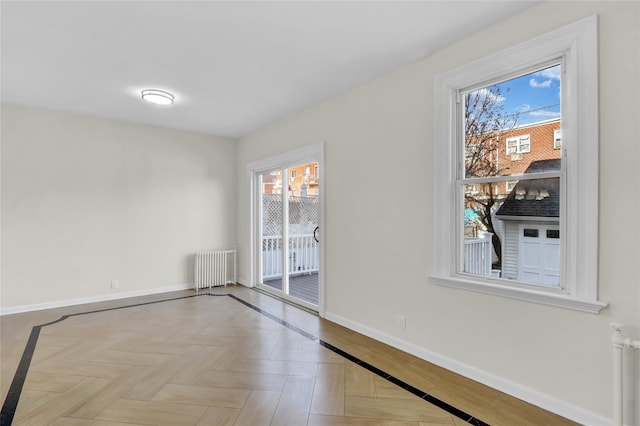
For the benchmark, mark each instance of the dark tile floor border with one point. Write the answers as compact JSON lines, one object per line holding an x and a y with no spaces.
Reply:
{"x":15,"y":390}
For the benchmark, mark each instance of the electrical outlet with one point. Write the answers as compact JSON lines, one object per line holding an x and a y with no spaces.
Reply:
{"x":114,"y":284}
{"x":402,"y":322}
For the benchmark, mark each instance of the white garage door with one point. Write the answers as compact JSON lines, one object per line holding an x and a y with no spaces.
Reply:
{"x":539,"y":254}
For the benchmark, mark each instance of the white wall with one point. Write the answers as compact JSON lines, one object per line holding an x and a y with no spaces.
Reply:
{"x":86,"y":201}
{"x":379,"y":223}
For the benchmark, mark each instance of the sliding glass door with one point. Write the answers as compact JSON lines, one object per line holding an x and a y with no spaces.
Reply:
{"x":289,"y":230}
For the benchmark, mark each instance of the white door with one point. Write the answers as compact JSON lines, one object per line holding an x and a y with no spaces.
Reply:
{"x":289,"y":219}
{"x":539,"y":253}
{"x":286,"y":212}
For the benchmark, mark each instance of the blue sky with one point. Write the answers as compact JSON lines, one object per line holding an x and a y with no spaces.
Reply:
{"x":535,"y":96}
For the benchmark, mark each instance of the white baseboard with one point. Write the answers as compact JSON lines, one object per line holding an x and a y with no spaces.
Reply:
{"x":92,"y":299}
{"x":542,"y":400}
{"x":243,"y":281}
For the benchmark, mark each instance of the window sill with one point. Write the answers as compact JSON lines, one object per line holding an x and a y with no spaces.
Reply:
{"x":524,"y":294}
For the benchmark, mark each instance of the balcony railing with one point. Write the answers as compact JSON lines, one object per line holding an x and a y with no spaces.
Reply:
{"x":478,"y":254}
{"x":303,"y":255}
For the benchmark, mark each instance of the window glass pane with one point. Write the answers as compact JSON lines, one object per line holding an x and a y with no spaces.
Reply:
{"x":478,"y":247}
{"x":513,"y":125}
{"x":553,"y":233}
{"x":511,"y":226}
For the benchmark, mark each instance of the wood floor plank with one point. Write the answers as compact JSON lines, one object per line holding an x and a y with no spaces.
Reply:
{"x":395,"y":409}
{"x":51,"y":382}
{"x":82,"y":368}
{"x":359,"y":381}
{"x":153,"y":413}
{"x":402,"y":370}
{"x":265,"y":366}
{"x":386,"y":389}
{"x":322,"y":420}
{"x":70,"y":421}
{"x":167,"y":348}
{"x":187,"y":369}
{"x":259,"y":408}
{"x":515,"y":411}
{"x":317,"y":354}
{"x":329,"y":391}
{"x":34,"y":399}
{"x":131,"y":358}
{"x":219,"y":416}
{"x":295,"y":402}
{"x":203,"y":395}
{"x":61,"y":404}
{"x":110,"y":393}
{"x":198,"y":363}
{"x":44,"y":354}
{"x":239,"y":380}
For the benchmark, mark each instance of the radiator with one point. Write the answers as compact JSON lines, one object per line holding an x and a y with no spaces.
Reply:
{"x":215,"y":268}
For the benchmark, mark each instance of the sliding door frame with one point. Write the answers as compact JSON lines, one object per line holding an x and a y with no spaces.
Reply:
{"x":308,"y":154}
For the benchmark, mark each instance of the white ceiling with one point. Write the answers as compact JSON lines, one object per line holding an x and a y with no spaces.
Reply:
{"x":233,"y":66}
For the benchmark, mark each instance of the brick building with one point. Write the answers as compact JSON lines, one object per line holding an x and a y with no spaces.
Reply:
{"x":525,"y":145}
{"x":302,"y":181}
{"x":515,"y":150}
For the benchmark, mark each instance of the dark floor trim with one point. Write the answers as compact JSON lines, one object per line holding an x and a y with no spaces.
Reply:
{"x":11,"y":401}
{"x":417,"y":392}
{"x":15,"y":390}
{"x":13,"y":396}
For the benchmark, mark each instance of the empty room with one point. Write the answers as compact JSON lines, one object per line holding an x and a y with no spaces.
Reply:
{"x":320,"y":213}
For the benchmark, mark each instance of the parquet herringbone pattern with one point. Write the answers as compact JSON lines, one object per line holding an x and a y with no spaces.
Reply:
{"x":214,"y":361}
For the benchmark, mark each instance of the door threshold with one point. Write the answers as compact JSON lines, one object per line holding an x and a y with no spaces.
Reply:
{"x":285,"y":300}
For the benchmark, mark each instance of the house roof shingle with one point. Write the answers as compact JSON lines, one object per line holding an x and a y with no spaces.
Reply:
{"x":536,"y":197}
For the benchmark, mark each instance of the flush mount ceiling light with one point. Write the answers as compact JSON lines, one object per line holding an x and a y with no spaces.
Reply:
{"x":156,"y":96}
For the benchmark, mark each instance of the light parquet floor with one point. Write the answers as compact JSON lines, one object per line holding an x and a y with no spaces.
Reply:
{"x":217,"y":361}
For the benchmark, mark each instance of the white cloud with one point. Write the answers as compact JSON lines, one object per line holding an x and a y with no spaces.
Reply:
{"x":543,"y":84}
{"x":544,"y":114}
{"x":552,"y":73}
{"x":486,"y":93}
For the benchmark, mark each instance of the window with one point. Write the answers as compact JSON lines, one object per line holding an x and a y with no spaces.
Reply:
{"x":493,"y":112}
{"x":519,"y":144}
{"x":557,"y":139}
{"x":471,"y":149}
{"x":550,"y":184}
{"x":475,"y":189}
{"x":294,"y":173}
{"x":532,"y":233}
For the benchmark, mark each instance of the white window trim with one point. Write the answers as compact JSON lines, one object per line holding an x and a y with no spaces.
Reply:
{"x":577,"y":45}
{"x":557,"y":141}
{"x":519,"y":140}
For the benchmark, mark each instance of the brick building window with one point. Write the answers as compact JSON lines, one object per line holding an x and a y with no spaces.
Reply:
{"x":519,"y":144}
{"x":557,"y":139}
